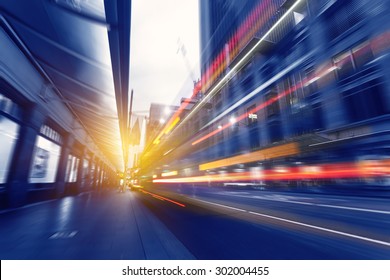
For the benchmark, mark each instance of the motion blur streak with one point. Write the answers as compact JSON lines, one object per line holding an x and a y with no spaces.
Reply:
{"x":163,"y":198}
{"x":379,"y":41}
{"x":245,"y":115}
{"x":324,"y":229}
{"x":364,"y":169}
{"x":238,"y":40}
{"x":301,"y":224}
{"x":170,"y":173}
{"x":274,"y":152}
{"x":304,"y":83}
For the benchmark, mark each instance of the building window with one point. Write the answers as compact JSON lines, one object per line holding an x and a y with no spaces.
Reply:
{"x":362,"y":54}
{"x":254,"y":139}
{"x":345,"y":65}
{"x":272,"y":101}
{"x":365,"y":101}
{"x":310,"y":85}
{"x":317,"y":119}
{"x":252,"y":115}
{"x":234,"y":124}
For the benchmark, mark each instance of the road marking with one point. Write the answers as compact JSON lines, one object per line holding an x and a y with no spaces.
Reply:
{"x":324,"y":229}
{"x":354,"y":208}
{"x":314,"y":204}
{"x":63,"y":234}
{"x":221,"y":205}
{"x":302,"y":224}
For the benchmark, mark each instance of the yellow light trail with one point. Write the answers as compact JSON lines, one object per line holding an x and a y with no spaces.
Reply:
{"x":261,"y":155}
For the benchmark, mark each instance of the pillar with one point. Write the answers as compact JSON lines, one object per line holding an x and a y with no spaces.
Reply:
{"x":18,"y":185}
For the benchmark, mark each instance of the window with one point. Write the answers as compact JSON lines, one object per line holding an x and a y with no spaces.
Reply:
{"x":254,"y":139}
{"x":85,"y":169}
{"x":272,"y":104}
{"x":275,"y":131}
{"x":44,"y":164}
{"x":252,"y":115}
{"x":325,"y":73}
{"x":71,"y":169}
{"x":9,"y":132}
{"x":317,"y":119}
{"x":365,"y":101}
{"x":311,"y":85}
{"x":234,"y":123}
{"x":362,"y":54}
{"x":380,"y":43}
{"x":344,"y":64}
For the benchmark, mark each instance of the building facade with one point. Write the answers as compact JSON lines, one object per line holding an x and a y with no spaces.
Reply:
{"x":298,"y":92}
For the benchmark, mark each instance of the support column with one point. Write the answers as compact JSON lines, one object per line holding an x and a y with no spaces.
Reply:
{"x":60,"y":180}
{"x":95,"y":183}
{"x":18,"y":185}
{"x":81,"y":182}
{"x":92,"y":175}
{"x":99,"y":176}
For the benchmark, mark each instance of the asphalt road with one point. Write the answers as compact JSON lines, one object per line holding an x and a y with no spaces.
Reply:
{"x":198,"y":223}
{"x":227,"y":223}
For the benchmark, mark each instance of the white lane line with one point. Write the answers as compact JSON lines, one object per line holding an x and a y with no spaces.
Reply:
{"x":337,"y":206}
{"x":320,"y":205}
{"x":354,"y":208}
{"x":302,"y":224}
{"x":324,"y":229}
{"x":220,"y":205}
{"x":295,"y":202}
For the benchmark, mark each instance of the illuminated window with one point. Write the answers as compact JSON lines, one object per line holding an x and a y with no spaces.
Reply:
{"x":44,"y":164}
{"x":252,"y":115}
{"x":234,"y":124}
{"x":71,"y":169}
{"x":9,"y":132}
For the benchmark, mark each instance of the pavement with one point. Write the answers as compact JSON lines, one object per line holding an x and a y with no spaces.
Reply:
{"x":107,"y":225}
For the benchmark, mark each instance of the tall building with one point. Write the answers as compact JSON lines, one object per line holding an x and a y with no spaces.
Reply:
{"x":159,"y":114}
{"x":288,"y":84}
{"x":137,"y":140}
{"x":218,"y":21}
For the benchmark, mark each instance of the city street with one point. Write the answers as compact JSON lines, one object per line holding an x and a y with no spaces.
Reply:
{"x":206,"y":224}
{"x":254,"y":224}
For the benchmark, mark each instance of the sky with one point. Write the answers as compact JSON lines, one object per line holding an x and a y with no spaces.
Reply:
{"x":159,"y":72}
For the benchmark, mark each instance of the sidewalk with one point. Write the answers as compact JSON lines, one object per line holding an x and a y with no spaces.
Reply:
{"x":95,"y":225}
